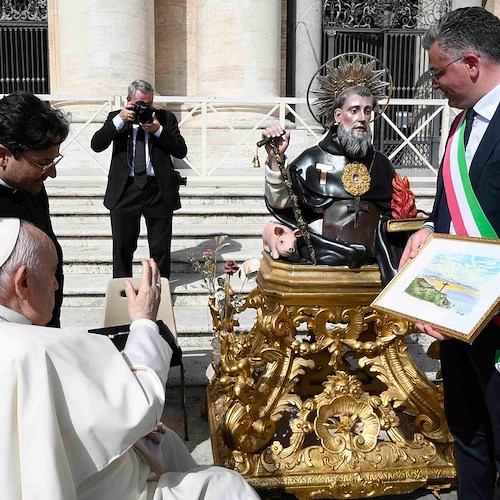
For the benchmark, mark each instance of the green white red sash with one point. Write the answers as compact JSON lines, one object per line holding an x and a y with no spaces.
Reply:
{"x":466,"y":213}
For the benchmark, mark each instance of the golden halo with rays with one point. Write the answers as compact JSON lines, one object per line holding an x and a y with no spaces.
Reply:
{"x":351,"y":69}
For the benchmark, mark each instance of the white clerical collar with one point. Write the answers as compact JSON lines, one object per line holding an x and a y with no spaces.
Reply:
{"x":11,"y":316}
{"x":3,"y":183}
{"x":488,"y":104}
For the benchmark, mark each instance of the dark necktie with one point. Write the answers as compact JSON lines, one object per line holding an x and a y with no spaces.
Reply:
{"x":469,"y":120}
{"x":140,"y":178}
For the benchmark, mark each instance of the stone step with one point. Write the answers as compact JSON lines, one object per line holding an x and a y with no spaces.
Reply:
{"x":195,"y":240}
{"x":192,"y":321}
{"x":84,"y":289}
{"x":235,"y":250}
{"x":208,"y":220}
{"x":203,"y":198}
{"x":78,"y":187}
{"x":206,"y":230}
{"x":198,"y":191}
{"x":102,"y":253}
{"x":104,"y":266}
{"x":89,"y":207}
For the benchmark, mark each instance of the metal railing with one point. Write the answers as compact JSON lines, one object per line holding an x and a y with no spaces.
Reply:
{"x":222,"y":133}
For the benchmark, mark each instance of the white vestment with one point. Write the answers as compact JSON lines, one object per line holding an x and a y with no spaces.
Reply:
{"x":71,"y":409}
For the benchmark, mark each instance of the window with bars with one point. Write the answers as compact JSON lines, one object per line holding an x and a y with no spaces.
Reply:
{"x":24,"y":62}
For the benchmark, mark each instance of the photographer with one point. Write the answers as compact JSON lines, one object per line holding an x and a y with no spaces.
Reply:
{"x":142,"y":179}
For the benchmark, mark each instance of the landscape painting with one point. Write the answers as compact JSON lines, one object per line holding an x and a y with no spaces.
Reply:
{"x":452,"y":284}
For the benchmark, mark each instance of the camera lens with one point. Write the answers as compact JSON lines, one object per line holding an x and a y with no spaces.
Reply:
{"x":143,"y":112}
{"x":146,"y":116}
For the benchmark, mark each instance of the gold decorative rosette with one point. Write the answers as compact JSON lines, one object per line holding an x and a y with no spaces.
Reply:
{"x":356,"y":179}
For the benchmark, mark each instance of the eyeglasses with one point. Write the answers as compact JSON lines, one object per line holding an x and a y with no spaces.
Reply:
{"x":43,"y":168}
{"x":437,"y":74}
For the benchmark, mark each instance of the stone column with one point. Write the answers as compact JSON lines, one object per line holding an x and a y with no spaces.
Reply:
{"x":175,"y":47}
{"x":308,"y":33}
{"x":100,"y":46}
{"x":238,"y":48}
{"x":238,"y":53}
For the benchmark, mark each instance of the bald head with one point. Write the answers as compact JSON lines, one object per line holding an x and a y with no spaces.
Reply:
{"x":27,"y":277}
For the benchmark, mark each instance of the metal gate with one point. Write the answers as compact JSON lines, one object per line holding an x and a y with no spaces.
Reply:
{"x":24,"y":63}
{"x":391,"y":30}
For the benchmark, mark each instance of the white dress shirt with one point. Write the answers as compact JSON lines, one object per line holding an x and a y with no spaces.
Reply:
{"x":119,"y":124}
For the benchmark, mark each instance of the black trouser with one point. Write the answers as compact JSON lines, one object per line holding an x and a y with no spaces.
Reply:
{"x":125,"y":227}
{"x":472,"y":404}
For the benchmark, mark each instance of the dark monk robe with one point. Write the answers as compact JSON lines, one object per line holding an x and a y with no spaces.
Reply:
{"x":352,"y":232}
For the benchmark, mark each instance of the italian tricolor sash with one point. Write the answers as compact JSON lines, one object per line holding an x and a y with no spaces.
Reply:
{"x":466,"y":212}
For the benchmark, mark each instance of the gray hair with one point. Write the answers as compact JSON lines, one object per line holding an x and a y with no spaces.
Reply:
{"x":361,"y":91}
{"x":26,"y":252}
{"x":139,"y":85}
{"x":469,"y":29}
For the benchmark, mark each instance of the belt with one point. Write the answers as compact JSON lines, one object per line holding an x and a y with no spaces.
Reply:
{"x":149,"y":178}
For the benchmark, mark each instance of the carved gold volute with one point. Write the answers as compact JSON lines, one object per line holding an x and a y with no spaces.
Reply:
{"x":321,"y":397}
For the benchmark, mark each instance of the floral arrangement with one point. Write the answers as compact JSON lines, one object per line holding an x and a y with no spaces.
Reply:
{"x":208,"y":269}
{"x":224,"y":302}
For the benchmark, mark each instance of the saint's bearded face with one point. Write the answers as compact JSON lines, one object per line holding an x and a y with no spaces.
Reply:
{"x":353,"y":119}
{"x":355,"y":143}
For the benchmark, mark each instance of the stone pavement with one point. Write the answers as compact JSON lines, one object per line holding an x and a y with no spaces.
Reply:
{"x":199,"y":437}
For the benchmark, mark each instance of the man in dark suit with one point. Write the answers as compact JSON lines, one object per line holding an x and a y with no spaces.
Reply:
{"x":31,"y":132}
{"x":142,"y":179}
{"x":464,"y":55}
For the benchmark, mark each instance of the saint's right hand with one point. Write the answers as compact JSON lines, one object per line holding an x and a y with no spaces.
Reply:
{"x":282,"y":137}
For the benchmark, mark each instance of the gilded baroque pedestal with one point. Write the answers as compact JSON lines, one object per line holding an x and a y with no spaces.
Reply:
{"x":321,"y":398}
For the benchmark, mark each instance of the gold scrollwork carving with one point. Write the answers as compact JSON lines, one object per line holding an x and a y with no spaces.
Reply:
{"x":321,"y":398}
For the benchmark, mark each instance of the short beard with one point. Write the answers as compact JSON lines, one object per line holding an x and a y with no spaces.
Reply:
{"x":355,"y":145}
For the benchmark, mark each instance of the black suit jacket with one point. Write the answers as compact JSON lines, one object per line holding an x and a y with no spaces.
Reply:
{"x":35,"y":209}
{"x":485,"y":178}
{"x":170,"y":143}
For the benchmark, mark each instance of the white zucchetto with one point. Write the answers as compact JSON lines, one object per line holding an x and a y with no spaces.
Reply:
{"x":9,"y":232}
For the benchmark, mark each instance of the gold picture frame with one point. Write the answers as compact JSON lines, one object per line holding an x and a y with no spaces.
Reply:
{"x":452,"y":284}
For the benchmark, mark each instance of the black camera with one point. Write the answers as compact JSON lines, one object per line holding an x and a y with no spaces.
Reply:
{"x":143,"y":112}
{"x":181,"y":181}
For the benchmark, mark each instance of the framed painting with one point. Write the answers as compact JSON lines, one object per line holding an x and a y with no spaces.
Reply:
{"x":452,"y":284}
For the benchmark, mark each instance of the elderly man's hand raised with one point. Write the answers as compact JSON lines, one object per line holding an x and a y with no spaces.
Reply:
{"x":144,"y":304}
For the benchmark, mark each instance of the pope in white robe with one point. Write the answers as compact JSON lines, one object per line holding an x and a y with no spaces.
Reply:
{"x":74,"y":410}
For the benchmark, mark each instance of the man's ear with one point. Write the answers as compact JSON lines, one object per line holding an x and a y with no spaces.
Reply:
{"x":4,"y":153}
{"x":21,"y":286}
{"x":472,"y":62}
{"x":336,"y":115}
